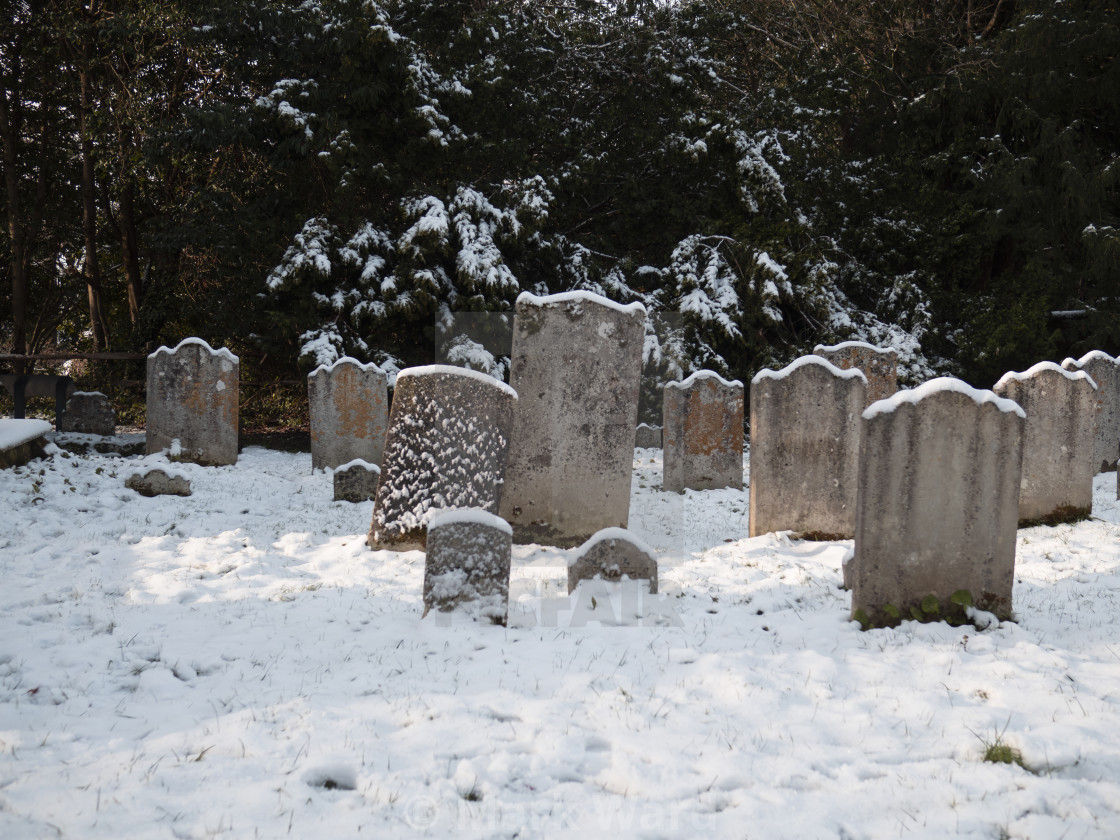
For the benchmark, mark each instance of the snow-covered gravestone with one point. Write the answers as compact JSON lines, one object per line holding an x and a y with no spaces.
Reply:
{"x":878,"y":364}
{"x":449,"y":431}
{"x":349,"y":407}
{"x":356,"y":481}
{"x":612,"y":554}
{"x":702,"y":435}
{"x":88,"y":413}
{"x":938,"y":504}
{"x":1105,"y":372}
{"x":576,"y":364}
{"x":466,"y":565}
{"x":805,"y":438}
{"x":193,"y":398}
{"x":1058,"y":442}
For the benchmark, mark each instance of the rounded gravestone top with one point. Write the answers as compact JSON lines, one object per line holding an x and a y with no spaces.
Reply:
{"x":942,"y":384}
{"x":805,"y":361}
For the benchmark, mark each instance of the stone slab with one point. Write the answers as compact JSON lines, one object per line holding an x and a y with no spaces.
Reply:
{"x":467,"y":564}
{"x":89,"y":413}
{"x":647,"y":436}
{"x":158,"y":482}
{"x":349,"y":411}
{"x":611,"y":554}
{"x":1105,"y":372}
{"x":703,"y":433}
{"x":878,"y":364}
{"x":356,"y":481}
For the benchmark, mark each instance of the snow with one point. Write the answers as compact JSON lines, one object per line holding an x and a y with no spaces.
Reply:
{"x":934,"y":386}
{"x":475,"y":516}
{"x":223,"y":353}
{"x":587,"y":297}
{"x":238,"y":663}
{"x":703,"y":374}
{"x":852,"y":373}
{"x":1089,"y":357}
{"x":844,"y":345}
{"x":1016,"y":376}
{"x":605,"y":534}
{"x":15,"y":433}
{"x":358,"y":462}
{"x":345,"y":360}
{"x":427,"y":370}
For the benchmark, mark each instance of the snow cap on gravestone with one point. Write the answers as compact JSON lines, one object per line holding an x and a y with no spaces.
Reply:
{"x":349,"y":413}
{"x":703,"y":433}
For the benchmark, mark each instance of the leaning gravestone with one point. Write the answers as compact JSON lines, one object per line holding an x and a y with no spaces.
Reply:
{"x":805,"y":438}
{"x":88,"y":413}
{"x":1105,"y":372}
{"x":356,"y":481}
{"x":609,"y":555}
{"x":1058,"y":468}
{"x":577,"y":365}
{"x":193,"y":398}
{"x":349,"y":408}
{"x":449,"y":431}
{"x":466,"y":565}
{"x":937,"y":504}
{"x":878,"y":364}
{"x":703,"y":433}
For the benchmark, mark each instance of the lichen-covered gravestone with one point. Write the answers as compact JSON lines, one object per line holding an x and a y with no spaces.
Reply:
{"x":938,"y":504}
{"x":1058,"y":442}
{"x":1105,"y":372}
{"x":703,"y":433}
{"x":576,"y":365}
{"x":356,"y":481}
{"x":805,"y":435}
{"x":609,"y":555}
{"x":449,"y":431}
{"x":878,"y":364}
{"x":193,"y":398}
{"x":466,"y":565}
{"x":88,"y":413}
{"x":349,"y":409}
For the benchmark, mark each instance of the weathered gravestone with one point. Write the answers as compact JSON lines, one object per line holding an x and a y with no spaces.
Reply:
{"x":703,"y":433}
{"x":1061,"y":430}
{"x":611,"y":554}
{"x":878,"y":364}
{"x":938,"y":504}
{"x":193,"y":398}
{"x":349,"y":408}
{"x":647,"y":436}
{"x":466,"y":565}
{"x":805,"y":449}
{"x":449,"y":431}
{"x":88,"y":413}
{"x":356,"y":481}
{"x":577,"y":365}
{"x":1105,"y":372}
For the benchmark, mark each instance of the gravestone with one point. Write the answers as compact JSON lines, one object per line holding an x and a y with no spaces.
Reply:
{"x":193,"y":398}
{"x":449,"y":431}
{"x":466,"y":565}
{"x":703,"y":433}
{"x":647,"y":436}
{"x":1058,"y":442}
{"x":937,"y":505}
{"x":805,"y":430}
{"x":611,"y":553}
{"x":22,"y":441}
{"x":1105,"y":372}
{"x":577,"y":365}
{"x":349,"y":409}
{"x":159,"y":482}
{"x":88,"y":413}
{"x":878,"y":364}
{"x":356,"y":481}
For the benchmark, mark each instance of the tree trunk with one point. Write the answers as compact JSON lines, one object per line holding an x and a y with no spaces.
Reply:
{"x":9,"y":116}
{"x":130,"y":251}
{"x":91,"y":268}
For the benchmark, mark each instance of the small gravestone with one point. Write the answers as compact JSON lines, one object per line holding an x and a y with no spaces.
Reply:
{"x":647,"y":437}
{"x":805,"y":438}
{"x":349,"y":408}
{"x":193,"y":398}
{"x":577,"y":362}
{"x":938,"y":504}
{"x":356,"y":481}
{"x":1105,"y":372}
{"x":448,"y":441}
{"x":467,"y":562}
{"x":22,"y":441}
{"x":611,"y":554}
{"x":878,"y":364}
{"x":89,"y":413}
{"x":159,"y":482}
{"x":1058,"y":442}
{"x":703,"y":433}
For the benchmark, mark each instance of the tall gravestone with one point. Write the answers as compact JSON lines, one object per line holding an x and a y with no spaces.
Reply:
{"x":702,"y":433}
{"x":577,"y":365}
{"x":193,"y":398}
{"x":937,"y":504}
{"x":805,"y":438}
{"x":449,"y":432}
{"x":1105,"y":372}
{"x":878,"y":364}
{"x":467,"y":563}
{"x":349,"y":408}
{"x":1058,"y":442}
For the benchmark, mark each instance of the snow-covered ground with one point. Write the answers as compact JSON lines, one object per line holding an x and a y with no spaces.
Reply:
{"x":239,"y":664}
